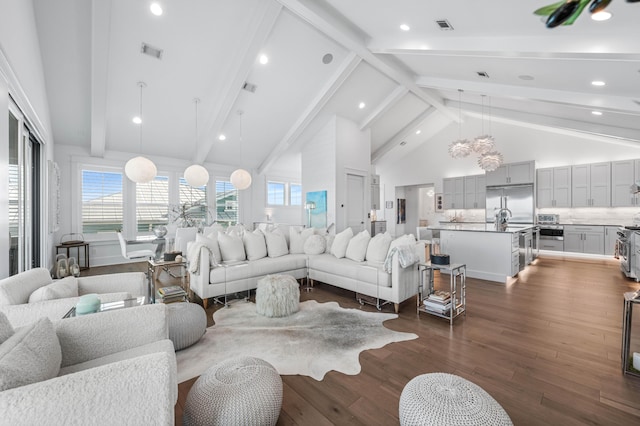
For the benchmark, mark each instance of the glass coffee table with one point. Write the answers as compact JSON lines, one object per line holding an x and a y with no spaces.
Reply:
{"x":109,"y":306}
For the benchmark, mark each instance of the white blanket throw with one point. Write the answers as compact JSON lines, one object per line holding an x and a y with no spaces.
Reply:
{"x":406,"y":256}
{"x":193,"y":256}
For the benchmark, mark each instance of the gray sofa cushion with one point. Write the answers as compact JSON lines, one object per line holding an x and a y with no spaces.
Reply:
{"x":16,"y":289}
{"x":59,"y":289}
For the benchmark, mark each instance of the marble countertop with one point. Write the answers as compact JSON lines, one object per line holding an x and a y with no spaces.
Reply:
{"x":481,"y":227}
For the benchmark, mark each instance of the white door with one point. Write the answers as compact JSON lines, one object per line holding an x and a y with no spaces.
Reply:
{"x":354,"y":207}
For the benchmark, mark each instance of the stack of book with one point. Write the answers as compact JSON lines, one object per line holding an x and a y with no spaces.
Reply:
{"x":171,"y":294}
{"x":439,"y":301}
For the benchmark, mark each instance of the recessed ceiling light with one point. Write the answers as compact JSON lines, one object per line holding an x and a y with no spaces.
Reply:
{"x":137,"y":120}
{"x":601,"y":16}
{"x":596,"y":112}
{"x":361,"y":105}
{"x":264,"y":59}
{"x":405,"y":27}
{"x":222,"y":138}
{"x":418,"y":132}
{"x":156,"y":9}
{"x":598,"y":83}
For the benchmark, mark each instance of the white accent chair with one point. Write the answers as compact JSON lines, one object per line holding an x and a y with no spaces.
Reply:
{"x":145,"y":250}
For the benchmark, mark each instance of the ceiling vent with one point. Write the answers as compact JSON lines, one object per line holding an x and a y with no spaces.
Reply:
{"x":403,"y":143}
{"x":249,"y":87}
{"x":444,"y":25}
{"x":147,"y":49}
{"x":483,"y":74}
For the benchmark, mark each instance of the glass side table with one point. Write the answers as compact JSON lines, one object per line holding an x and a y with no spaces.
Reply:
{"x":154,"y":267}
{"x":630,"y":341}
{"x":457,"y":304}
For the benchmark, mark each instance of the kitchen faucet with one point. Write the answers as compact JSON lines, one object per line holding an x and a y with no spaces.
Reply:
{"x":502,"y":220}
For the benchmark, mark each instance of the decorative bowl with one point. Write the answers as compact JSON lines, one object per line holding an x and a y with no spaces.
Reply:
{"x":440,"y":259}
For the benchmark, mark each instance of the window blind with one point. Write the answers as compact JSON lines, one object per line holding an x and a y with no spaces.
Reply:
{"x":101,"y":201}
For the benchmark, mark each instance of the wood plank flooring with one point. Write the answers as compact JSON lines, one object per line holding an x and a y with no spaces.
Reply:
{"x":546,"y":347}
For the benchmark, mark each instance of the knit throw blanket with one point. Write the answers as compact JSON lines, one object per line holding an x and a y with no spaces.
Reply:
{"x":406,"y":257}
{"x":193,"y":256}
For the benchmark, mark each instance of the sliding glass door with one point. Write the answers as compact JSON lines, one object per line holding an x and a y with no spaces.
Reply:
{"x":24,"y":196}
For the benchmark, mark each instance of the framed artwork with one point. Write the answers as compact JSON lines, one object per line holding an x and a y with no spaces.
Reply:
{"x":439,"y":207}
{"x":316,"y":206}
{"x":388,"y":204}
{"x":402,"y":215}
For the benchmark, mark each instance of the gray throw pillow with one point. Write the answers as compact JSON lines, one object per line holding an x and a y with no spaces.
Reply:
{"x":60,"y":289}
{"x":32,"y":354}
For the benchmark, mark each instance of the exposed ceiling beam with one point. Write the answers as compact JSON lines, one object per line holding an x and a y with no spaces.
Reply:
{"x":227,"y":90}
{"x":335,"y":28}
{"x":401,"y":135}
{"x":348,"y":65}
{"x":384,"y":106}
{"x":100,"y":34}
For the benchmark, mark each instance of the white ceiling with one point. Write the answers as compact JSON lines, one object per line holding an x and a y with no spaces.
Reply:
{"x":409,"y":81}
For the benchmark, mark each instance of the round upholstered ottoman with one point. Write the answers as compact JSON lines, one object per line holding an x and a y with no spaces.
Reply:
{"x":446,"y":399}
{"x":238,"y":391}
{"x":277,"y":296}
{"x":187,"y":323}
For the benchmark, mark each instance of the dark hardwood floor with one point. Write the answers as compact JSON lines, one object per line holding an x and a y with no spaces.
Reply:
{"x":546,"y":347}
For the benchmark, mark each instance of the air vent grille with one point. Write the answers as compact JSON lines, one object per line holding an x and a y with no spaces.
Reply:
{"x":483,"y":74}
{"x":249,"y":87}
{"x":444,"y":25}
{"x":155,"y":52}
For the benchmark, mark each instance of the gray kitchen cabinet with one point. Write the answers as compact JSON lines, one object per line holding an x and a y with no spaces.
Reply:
{"x":453,"y":193}
{"x":584,"y":239}
{"x":553,"y":187}
{"x":511,"y":174}
{"x":610,"y":237}
{"x":591,"y":185}
{"x":475,"y":192}
{"x":623,"y":175}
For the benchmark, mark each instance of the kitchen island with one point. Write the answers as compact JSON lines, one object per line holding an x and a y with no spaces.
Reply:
{"x":489,"y":254}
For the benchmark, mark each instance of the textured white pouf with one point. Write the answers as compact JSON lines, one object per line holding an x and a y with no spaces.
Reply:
{"x":238,"y":391}
{"x":277,"y":296}
{"x":446,"y":399}
{"x":187,"y":323}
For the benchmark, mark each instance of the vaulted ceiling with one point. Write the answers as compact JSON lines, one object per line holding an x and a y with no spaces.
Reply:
{"x":325,"y":57}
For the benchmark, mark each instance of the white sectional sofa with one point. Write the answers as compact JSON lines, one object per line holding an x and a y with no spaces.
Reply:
{"x":215,"y":270}
{"x":116,"y":367}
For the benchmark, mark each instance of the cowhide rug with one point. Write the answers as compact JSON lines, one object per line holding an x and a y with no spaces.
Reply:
{"x":318,"y":338}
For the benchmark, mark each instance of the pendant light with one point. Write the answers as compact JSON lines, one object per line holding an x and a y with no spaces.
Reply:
{"x":462,"y":147}
{"x":140,"y":169}
{"x":195,"y":174}
{"x":485,"y":143}
{"x":240,"y":178}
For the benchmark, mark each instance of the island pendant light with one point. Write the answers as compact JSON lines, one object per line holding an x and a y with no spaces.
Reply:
{"x":195,"y":174}
{"x":240,"y":178}
{"x":462,"y":147}
{"x":140,"y":169}
{"x":492,"y":159}
{"x":485,"y":143}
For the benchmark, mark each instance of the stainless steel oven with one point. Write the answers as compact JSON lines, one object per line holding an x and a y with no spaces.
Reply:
{"x":551,"y":237}
{"x":623,"y":249}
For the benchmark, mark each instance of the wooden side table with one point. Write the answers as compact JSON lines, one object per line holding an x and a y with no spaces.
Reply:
{"x":82,"y":261}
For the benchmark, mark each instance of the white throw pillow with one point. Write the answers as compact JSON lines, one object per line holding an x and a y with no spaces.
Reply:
{"x":340,"y":243}
{"x":32,"y":354}
{"x":378,"y":247}
{"x":6,"y":330}
{"x":276,"y":243}
{"x":211,"y":241}
{"x":357,"y":247}
{"x":255,"y":245}
{"x":297,"y":239}
{"x":60,"y":289}
{"x":329,"y":242}
{"x":231,"y":248}
{"x":315,"y":244}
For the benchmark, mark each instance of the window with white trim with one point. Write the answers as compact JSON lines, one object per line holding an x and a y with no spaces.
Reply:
{"x":152,"y":201}
{"x":276,"y":193}
{"x":102,"y":208}
{"x":295,"y":194}
{"x":195,"y":198}
{"x":226,"y":202}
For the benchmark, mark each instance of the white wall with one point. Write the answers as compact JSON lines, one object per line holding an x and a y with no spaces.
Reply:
{"x":431,"y":162}
{"x":21,"y":75}
{"x":293,"y":215}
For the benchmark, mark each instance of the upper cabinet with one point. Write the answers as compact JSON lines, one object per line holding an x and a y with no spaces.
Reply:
{"x":554,"y":187}
{"x":453,"y":193}
{"x":511,"y":174}
{"x":623,"y":175}
{"x":591,"y":185}
{"x":475,"y":192}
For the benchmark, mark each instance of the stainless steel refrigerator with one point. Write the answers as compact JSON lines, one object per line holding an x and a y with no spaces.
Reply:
{"x":517,"y":198}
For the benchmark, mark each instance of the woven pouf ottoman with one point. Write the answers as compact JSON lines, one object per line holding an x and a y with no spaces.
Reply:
{"x":446,"y":399}
{"x":277,"y":296}
{"x":238,"y":391}
{"x":187,"y":323}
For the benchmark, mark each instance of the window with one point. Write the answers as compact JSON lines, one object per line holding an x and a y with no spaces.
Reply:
{"x":196,"y":200}
{"x":295,"y":194}
{"x":276,"y":193}
{"x":226,"y":203}
{"x":152,"y":200}
{"x":101,"y":201}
